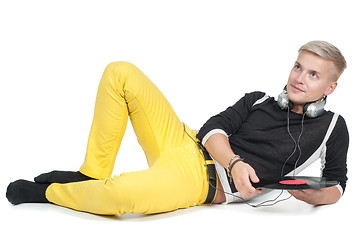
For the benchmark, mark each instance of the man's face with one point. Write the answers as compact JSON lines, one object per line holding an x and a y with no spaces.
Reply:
{"x":311,"y":78}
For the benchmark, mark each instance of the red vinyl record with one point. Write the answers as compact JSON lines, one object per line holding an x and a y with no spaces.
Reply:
{"x":296,"y":183}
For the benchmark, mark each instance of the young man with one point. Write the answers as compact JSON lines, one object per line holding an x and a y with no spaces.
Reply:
{"x":258,"y":132}
{"x":251,"y":140}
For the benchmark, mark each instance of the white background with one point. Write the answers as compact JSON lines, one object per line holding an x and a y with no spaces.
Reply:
{"x":203,"y":55}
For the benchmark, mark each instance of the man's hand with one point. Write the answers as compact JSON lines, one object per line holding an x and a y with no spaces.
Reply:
{"x":308,"y":196}
{"x":317,"y":196}
{"x":242,"y":175}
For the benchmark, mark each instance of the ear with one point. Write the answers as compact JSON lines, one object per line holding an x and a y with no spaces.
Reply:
{"x":331,"y":88}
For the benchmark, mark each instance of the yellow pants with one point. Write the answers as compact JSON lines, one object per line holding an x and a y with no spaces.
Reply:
{"x":176,"y":178}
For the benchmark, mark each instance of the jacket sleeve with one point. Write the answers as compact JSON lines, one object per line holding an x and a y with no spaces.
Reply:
{"x":230,"y":120}
{"x":335,"y":166}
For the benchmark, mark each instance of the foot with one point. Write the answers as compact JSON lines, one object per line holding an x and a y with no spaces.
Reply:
{"x":61,"y":177}
{"x":22,"y":191}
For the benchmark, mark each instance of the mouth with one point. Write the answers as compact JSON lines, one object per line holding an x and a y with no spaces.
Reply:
{"x":296,"y":89}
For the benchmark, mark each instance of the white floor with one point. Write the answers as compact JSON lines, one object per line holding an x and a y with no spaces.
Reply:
{"x":203,"y":55}
{"x":291,"y":219}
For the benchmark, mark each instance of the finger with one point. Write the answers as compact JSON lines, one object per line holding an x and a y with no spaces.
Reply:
{"x":253,"y":176}
{"x":295,"y":192}
{"x":298,"y":194}
{"x":251,"y":193}
{"x":247,"y":190}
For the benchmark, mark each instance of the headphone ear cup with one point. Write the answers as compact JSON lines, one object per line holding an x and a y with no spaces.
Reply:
{"x":306,"y":107}
{"x":283,"y":100}
{"x":314,"y":109}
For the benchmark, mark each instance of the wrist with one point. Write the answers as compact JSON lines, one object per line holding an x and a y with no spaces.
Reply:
{"x":231,"y":162}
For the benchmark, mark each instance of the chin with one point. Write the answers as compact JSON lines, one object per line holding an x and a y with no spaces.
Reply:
{"x":297,"y":99}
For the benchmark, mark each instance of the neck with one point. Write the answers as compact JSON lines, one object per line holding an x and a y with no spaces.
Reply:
{"x":297,"y":109}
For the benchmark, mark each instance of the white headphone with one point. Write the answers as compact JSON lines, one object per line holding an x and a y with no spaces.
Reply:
{"x":311,"y":109}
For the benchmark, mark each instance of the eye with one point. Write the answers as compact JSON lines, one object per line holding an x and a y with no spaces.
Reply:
{"x":314,"y":75}
{"x":297,"y":67}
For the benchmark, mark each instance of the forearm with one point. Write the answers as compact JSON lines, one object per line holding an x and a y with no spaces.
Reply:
{"x":328,"y":196}
{"x":242,"y":173}
{"x":219,"y":148}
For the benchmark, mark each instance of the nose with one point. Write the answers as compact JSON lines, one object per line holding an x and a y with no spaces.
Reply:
{"x":300,"y":78}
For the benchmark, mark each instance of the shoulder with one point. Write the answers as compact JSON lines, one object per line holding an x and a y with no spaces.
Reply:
{"x":339,"y":121}
{"x":256,"y":97}
{"x":256,"y":94}
{"x":339,"y":127}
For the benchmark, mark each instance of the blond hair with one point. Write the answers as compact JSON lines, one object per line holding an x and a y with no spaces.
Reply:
{"x":327,"y":51}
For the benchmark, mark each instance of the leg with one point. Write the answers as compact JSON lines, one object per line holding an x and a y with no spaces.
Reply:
{"x":124,"y":90}
{"x":177,"y":180}
{"x":177,"y":177}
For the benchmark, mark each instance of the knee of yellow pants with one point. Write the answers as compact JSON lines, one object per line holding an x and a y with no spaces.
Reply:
{"x":113,"y":74}
{"x":122,"y":69}
{"x":121,"y":66}
{"x":128,"y":78}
